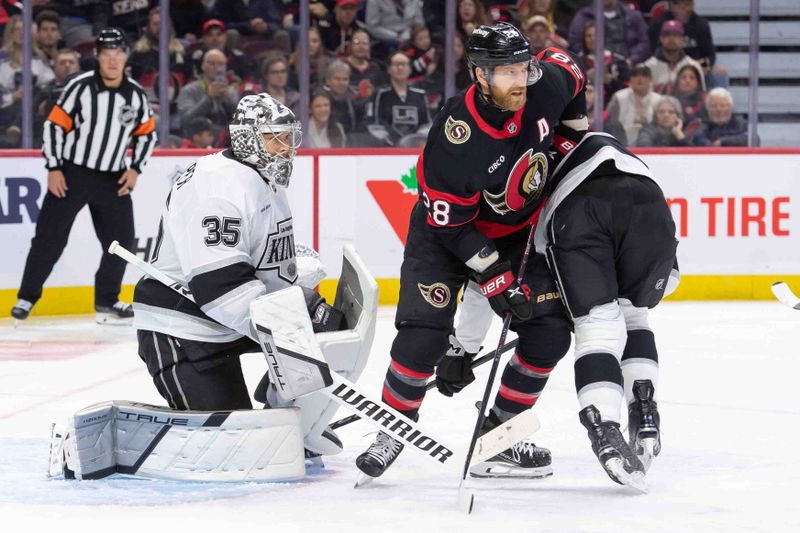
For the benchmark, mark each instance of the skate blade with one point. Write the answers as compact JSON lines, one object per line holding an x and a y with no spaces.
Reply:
{"x":363,"y":480}
{"x":634,"y":480}
{"x":648,"y":452}
{"x":495,"y":470}
{"x":314,"y":463}
{"x":110,"y":320}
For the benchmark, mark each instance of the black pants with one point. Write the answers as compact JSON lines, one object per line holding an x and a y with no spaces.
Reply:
{"x":613,"y":237}
{"x":112,"y":217}
{"x":198,"y":376}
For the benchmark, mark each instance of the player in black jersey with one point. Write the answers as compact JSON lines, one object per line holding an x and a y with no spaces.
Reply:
{"x":610,"y":242}
{"x":483,"y":181}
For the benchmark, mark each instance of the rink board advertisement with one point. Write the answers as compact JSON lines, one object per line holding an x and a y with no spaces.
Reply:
{"x":737,"y":216}
{"x":23,"y":184}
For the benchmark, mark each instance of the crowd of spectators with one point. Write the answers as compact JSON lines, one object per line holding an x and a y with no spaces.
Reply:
{"x":376,"y":66}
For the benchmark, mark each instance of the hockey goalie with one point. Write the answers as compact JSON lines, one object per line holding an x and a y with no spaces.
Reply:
{"x":235,"y":284}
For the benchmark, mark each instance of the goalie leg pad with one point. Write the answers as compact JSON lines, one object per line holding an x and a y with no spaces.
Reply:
{"x":159,"y":443}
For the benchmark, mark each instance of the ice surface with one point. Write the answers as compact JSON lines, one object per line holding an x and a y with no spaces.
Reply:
{"x":728,"y":400}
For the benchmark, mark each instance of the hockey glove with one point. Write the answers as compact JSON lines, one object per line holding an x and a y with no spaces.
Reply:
{"x":454,"y":372}
{"x":324,"y":317}
{"x":500,"y":286}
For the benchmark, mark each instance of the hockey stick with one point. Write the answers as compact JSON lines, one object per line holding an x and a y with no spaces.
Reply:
{"x":115,"y":249}
{"x":785,"y":295}
{"x":466,"y":497}
{"x":475,"y":364}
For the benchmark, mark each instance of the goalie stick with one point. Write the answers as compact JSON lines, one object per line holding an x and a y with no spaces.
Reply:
{"x":475,"y":364}
{"x":785,"y":295}
{"x":150,"y":270}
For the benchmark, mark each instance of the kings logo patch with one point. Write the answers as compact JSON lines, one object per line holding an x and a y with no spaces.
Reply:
{"x":279,"y":252}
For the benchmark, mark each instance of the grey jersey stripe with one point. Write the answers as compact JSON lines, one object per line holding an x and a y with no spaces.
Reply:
{"x":175,"y":372}
{"x":161,"y":371}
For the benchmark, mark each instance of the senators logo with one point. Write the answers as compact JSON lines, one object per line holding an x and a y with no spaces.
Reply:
{"x":457,"y":131}
{"x":436,"y":294}
{"x":525,"y":183}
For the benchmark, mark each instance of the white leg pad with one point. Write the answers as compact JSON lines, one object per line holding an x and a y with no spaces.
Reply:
{"x":156,"y":442}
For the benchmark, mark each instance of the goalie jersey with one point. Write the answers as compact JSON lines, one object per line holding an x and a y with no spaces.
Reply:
{"x":226,"y":235}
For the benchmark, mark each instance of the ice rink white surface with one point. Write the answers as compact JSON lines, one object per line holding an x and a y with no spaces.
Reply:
{"x":730,"y":418}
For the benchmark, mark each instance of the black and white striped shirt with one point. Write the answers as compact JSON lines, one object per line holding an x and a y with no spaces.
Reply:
{"x":92,"y":125}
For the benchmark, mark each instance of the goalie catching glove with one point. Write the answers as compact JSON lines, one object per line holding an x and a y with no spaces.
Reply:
{"x":505,"y":294}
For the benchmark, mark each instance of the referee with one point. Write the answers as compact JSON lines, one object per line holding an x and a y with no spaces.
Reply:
{"x":86,"y":137}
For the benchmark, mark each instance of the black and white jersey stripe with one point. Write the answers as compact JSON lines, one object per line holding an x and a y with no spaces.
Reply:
{"x":92,"y":125}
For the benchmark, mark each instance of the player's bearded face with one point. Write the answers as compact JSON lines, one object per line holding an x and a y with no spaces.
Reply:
{"x":508,"y":85}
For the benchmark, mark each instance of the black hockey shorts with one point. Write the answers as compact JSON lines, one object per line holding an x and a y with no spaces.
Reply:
{"x":613,"y":237}
{"x":198,"y":376}
{"x":430,"y":280}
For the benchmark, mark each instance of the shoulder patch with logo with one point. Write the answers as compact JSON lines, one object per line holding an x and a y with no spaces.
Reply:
{"x":436,"y":294}
{"x":279,"y":252}
{"x":457,"y":131}
{"x":127,"y":114}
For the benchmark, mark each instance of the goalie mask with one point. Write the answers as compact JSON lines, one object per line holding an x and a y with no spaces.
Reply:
{"x":265,"y":135}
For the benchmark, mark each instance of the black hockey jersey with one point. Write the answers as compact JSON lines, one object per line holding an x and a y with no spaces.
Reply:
{"x":400,"y":116}
{"x":479,"y":182}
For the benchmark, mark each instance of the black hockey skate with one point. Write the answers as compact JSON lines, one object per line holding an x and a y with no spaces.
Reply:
{"x":378,"y":457}
{"x":644,"y":423}
{"x":608,"y":444}
{"x":21,"y":310}
{"x":120,"y":314}
{"x":523,"y":460}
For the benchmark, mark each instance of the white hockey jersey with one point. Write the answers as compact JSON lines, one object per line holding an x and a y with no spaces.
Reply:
{"x":227,"y":236}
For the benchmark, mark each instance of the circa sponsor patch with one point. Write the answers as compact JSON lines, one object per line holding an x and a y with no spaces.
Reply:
{"x":457,"y":131}
{"x":436,"y":294}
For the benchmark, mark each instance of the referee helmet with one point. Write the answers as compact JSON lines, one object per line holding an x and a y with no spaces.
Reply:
{"x":110,"y":38}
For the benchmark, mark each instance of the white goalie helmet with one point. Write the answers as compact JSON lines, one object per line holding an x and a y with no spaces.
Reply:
{"x":259,"y":114}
